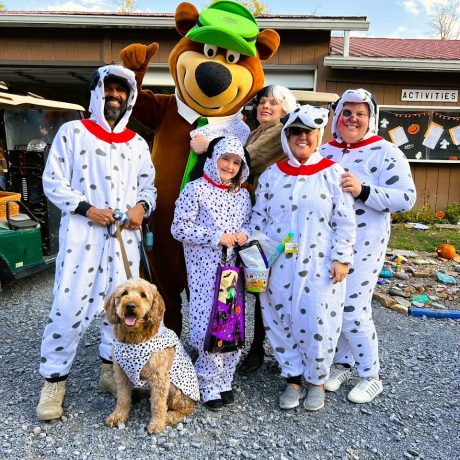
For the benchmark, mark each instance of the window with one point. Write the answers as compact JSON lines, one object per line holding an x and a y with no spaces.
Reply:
{"x":422,"y":133}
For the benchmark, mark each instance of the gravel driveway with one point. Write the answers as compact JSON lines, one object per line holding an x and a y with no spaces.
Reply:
{"x":417,"y":416}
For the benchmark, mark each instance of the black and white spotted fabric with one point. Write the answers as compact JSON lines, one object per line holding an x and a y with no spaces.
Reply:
{"x":204,"y":211}
{"x":384,"y":168}
{"x":133,"y":357}
{"x":302,"y":309}
{"x":109,"y":170}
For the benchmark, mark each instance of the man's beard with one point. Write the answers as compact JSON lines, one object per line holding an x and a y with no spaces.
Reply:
{"x":112,"y":114}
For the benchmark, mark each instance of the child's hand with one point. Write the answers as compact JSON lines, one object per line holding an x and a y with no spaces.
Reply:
{"x":228,"y":240}
{"x":199,"y":144}
{"x":338,"y":271}
{"x":241,"y":238}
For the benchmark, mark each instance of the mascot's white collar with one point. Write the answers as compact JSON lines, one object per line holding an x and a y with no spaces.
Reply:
{"x":191,"y":116}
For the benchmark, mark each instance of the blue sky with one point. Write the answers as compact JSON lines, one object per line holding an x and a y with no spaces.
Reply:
{"x":388,"y":18}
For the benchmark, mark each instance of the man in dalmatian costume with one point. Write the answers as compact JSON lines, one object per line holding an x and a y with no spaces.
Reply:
{"x":302,"y":307}
{"x":206,"y":209}
{"x":379,"y":177}
{"x":94,"y":166}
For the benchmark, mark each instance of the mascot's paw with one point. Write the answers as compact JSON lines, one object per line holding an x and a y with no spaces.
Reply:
{"x":136,"y":57}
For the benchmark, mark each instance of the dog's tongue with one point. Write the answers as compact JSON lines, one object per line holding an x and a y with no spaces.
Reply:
{"x":130,"y":320}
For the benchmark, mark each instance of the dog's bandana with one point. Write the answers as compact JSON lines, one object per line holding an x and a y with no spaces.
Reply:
{"x":133,"y":357}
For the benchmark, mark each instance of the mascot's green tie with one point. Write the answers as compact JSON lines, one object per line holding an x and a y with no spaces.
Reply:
{"x":192,"y":157}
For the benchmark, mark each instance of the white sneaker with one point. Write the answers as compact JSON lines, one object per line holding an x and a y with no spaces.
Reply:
{"x":365,"y":391}
{"x":339,"y":375}
{"x":51,"y":397}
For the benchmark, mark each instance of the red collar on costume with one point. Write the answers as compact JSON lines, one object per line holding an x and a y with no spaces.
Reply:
{"x":344,"y":145}
{"x":304,"y":170}
{"x":222,"y":186}
{"x":103,"y":135}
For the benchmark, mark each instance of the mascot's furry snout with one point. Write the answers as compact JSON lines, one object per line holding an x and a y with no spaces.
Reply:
{"x":213,"y":78}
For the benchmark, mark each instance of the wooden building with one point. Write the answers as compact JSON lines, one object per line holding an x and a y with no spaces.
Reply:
{"x":54,"y":54}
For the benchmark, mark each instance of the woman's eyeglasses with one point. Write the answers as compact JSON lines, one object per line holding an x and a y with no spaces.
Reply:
{"x":296,"y":131}
{"x":348,"y":113}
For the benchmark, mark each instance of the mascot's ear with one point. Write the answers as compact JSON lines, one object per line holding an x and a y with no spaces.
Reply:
{"x":267,"y":43}
{"x":186,"y":17}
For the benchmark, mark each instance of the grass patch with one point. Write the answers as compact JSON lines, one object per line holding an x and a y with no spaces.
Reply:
{"x":422,"y":240}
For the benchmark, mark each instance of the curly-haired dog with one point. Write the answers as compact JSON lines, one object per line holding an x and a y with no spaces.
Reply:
{"x":148,"y":355}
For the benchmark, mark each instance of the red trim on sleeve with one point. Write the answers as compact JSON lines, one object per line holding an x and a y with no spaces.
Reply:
{"x":222,"y":186}
{"x":304,"y":170}
{"x":103,"y":135}
{"x":358,"y":145}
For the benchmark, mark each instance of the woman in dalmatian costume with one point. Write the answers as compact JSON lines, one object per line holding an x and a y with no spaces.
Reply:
{"x":379,"y":178}
{"x":212,"y":212}
{"x":302,"y":308}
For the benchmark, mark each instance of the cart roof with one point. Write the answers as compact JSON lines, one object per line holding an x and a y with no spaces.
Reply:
{"x":16,"y":100}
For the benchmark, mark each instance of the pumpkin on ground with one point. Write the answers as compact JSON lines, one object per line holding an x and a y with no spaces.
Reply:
{"x":446,"y":251}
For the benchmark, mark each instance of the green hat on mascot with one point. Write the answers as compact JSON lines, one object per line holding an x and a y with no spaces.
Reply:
{"x":228,"y":25}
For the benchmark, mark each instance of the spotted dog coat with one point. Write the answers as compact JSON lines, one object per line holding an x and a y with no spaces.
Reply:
{"x":133,"y":357}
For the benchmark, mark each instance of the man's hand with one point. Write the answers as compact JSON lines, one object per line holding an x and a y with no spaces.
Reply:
{"x":136,"y":215}
{"x":100,"y":216}
{"x":338,"y":271}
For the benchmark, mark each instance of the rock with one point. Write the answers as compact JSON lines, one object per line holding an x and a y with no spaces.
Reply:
{"x":384,"y":299}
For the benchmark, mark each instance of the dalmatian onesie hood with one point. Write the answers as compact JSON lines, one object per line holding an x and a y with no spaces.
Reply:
{"x":90,"y":163}
{"x":302,"y":308}
{"x":205,"y":209}
{"x":388,"y":187}
{"x":97,"y":101}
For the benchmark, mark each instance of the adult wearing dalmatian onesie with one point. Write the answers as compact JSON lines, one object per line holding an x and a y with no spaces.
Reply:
{"x":94,"y":166}
{"x":302,"y":307}
{"x":211,"y":212}
{"x":379,"y":178}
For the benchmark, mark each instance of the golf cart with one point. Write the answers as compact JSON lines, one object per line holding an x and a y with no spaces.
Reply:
{"x":29,"y":223}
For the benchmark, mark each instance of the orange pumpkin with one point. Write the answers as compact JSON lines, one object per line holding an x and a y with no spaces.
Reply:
{"x":446,"y":251}
{"x":453,"y":157}
{"x":440,"y":214}
{"x":413,"y":129}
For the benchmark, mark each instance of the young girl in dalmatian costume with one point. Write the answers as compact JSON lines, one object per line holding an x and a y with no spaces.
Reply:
{"x":379,"y":178}
{"x":212,"y":212}
{"x":302,"y":308}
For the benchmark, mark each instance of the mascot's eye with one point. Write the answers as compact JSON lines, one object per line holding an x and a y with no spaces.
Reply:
{"x":232,"y":57}
{"x":210,"y":51}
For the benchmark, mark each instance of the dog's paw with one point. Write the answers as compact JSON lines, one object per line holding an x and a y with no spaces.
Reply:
{"x":156,"y":427}
{"x":116,"y":419}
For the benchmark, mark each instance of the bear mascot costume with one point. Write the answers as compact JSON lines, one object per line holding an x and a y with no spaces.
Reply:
{"x":216,"y":67}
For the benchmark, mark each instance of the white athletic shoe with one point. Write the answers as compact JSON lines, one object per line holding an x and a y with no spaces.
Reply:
{"x":365,"y":391}
{"x":339,"y":375}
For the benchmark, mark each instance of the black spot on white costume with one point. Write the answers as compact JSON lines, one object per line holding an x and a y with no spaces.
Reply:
{"x":133,"y":357}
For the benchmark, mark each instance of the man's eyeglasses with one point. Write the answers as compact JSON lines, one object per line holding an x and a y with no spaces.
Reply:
{"x":348,"y":113}
{"x":296,"y":131}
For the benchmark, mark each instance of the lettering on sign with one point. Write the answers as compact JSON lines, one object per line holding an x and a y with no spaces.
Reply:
{"x":432,"y":95}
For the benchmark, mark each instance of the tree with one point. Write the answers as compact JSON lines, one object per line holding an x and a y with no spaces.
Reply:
{"x":2,"y":6}
{"x":445,"y":20}
{"x":256,"y":7}
{"x":126,"y":6}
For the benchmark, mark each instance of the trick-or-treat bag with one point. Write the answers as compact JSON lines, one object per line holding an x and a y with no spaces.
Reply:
{"x":226,"y":323}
